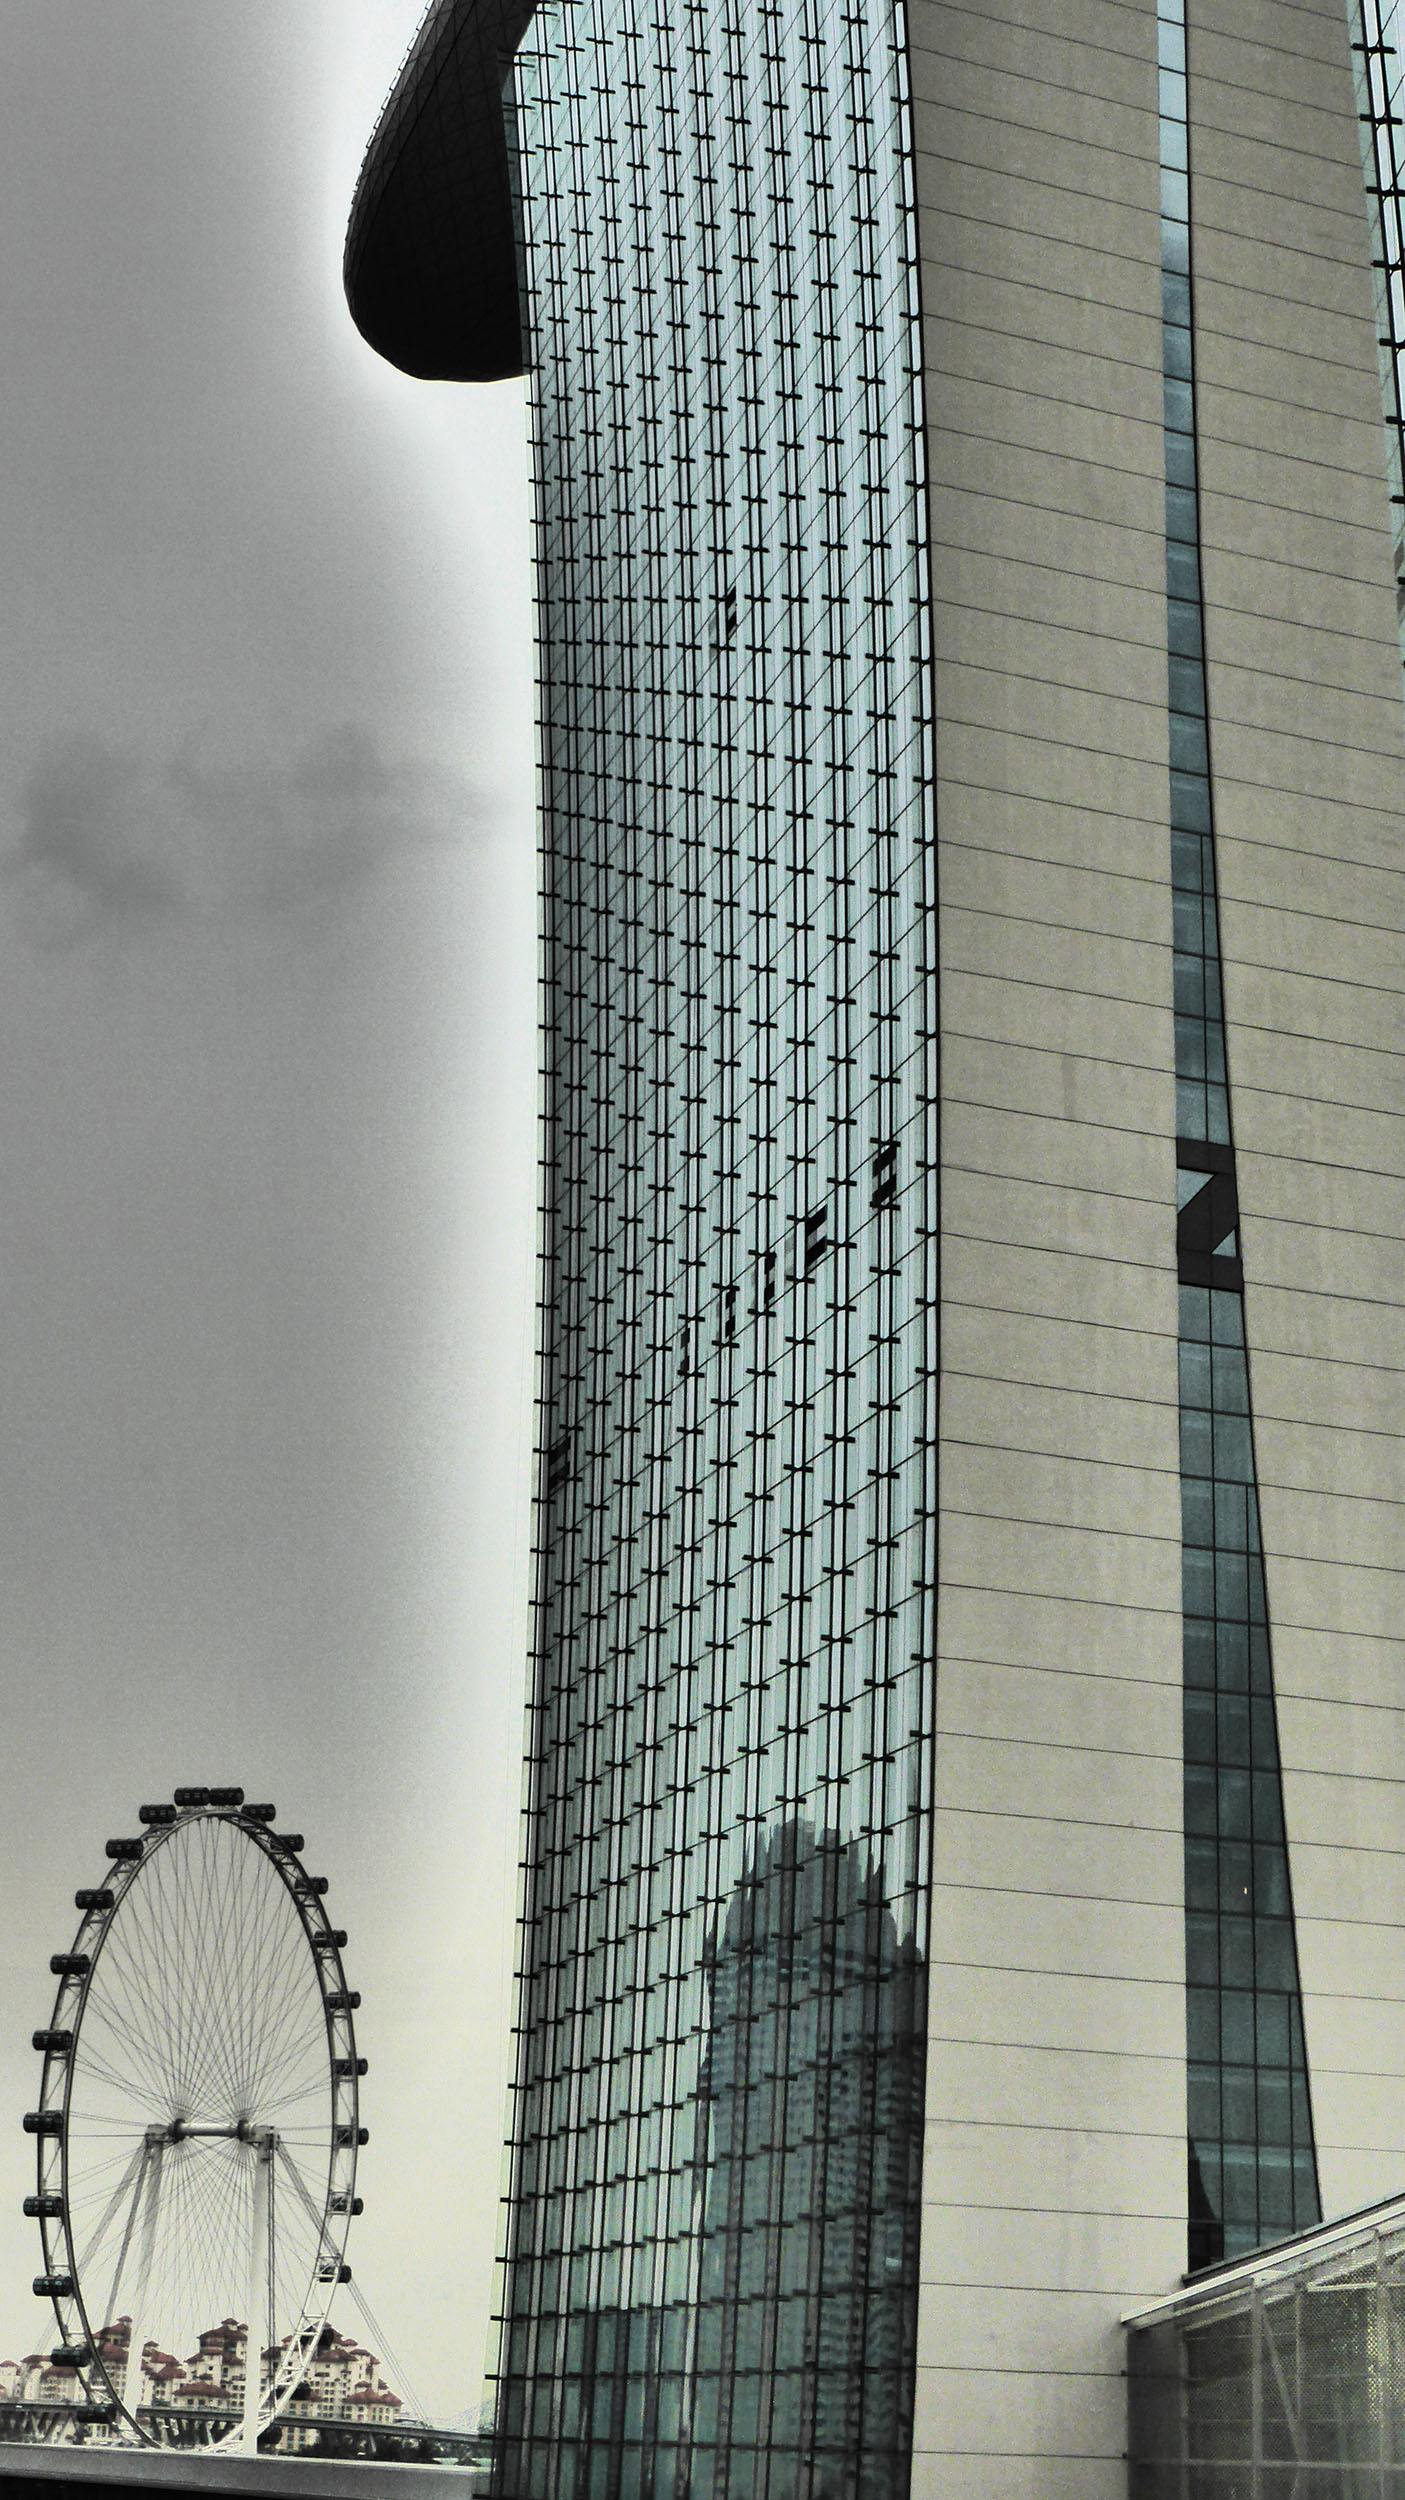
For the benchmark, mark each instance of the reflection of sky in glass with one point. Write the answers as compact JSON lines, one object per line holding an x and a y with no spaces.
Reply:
{"x":733,"y":1636}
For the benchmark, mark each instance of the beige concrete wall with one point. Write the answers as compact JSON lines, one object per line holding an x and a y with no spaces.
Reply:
{"x":1054,"y":2183}
{"x":1308,"y":748}
{"x":1055,"y":2175}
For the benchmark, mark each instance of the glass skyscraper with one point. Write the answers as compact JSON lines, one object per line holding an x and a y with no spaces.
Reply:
{"x":961,"y":1857}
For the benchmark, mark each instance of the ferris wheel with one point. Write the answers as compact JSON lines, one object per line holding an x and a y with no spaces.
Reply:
{"x":198,"y":2120}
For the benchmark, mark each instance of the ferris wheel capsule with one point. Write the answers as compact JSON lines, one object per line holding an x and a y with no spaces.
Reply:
{"x":198,"y":2122}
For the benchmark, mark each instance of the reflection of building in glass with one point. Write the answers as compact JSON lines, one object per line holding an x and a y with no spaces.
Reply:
{"x":970,"y":737}
{"x":810,"y":2165}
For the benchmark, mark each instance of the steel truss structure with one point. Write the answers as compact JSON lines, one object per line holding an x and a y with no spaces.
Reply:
{"x":1280,"y":2378}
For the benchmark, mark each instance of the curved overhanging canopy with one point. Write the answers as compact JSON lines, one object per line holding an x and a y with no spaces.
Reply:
{"x":431,"y":250}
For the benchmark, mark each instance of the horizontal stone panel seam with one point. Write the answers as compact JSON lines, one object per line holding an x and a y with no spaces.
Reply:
{"x":1151,"y":426}
{"x":1219,"y":607}
{"x":1231,"y":187}
{"x":1045,"y":1050}
{"x":1273,"y":963}
{"x":1019,"y":1380}
{"x":948,"y":1581}
{"x":1094,"y":1823}
{"x":950,"y":161}
{"x":1109,"y":1535}
{"x":1298,"y":153}
{"x":1109,"y":1900}
{"x":1136,"y":49}
{"x":1145,"y":262}
{"x":1312,"y":18}
{"x":1009,"y":127}
{"x":1143,"y":879}
{"x":1044,"y":1970}
{"x":1169,"y":1685}
{"x":1136,"y":530}
{"x":1089,"y":1258}
{"x":1159,"y":1205}
{"x":1019,"y":77}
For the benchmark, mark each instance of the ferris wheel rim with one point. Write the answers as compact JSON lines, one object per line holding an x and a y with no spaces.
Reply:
{"x":100,"y":1906}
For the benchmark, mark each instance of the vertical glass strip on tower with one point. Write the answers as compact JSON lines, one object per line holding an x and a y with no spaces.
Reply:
{"x":711,"y":2257}
{"x":1252,"y":2162}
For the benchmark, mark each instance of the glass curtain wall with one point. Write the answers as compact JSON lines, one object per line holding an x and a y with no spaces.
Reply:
{"x":711,"y":2254}
{"x":1252,"y":2162}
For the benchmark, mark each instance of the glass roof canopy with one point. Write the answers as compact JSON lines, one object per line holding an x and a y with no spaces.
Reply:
{"x":1281,"y":2377}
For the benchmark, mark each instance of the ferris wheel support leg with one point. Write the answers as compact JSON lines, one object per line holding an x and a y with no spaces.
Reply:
{"x":141,"y":2297}
{"x":260,"y":2281}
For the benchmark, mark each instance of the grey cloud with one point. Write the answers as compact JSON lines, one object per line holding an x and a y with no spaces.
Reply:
{"x":111,"y":839}
{"x":298,"y":831}
{"x":79,"y":863}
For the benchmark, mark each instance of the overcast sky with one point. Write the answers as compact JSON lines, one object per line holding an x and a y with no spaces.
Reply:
{"x":266,"y":1081}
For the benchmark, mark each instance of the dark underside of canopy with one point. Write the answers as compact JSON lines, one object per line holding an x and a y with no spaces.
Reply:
{"x":431,"y":251}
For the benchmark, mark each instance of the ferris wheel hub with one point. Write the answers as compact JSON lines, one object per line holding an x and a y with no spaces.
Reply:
{"x":243,"y":2131}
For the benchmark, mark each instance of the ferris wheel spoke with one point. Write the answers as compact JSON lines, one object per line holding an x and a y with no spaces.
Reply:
{"x":136,"y":1946}
{"x":164,"y":1947}
{"x":203,"y":1911}
{"x":288,"y":2059}
{"x":208,"y":1998}
{"x":128,"y":2228}
{"x":108,"y":2006}
{"x":254,"y":1943}
{"x":301,"y":2104}
{"x":252,"y":1957}
{"x":216,"y":1993}
{"x":278,"y":2014}
{"x":260,"y":1943}
{"x":100,"y":2067}
{"x":126,"y":1999}
{"x":179,"y":2255}
{"x":175,"y":1895}
{"x":234,"y":1940}
{"x":90,"y":2190}
{"x":87,"y":2192}
{"x":313,"y":2211}
{"x":206,"y":2001}
{"x":130,"y":2169}
{"x":209,"y":2201}
{"x":297,"y":2056}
